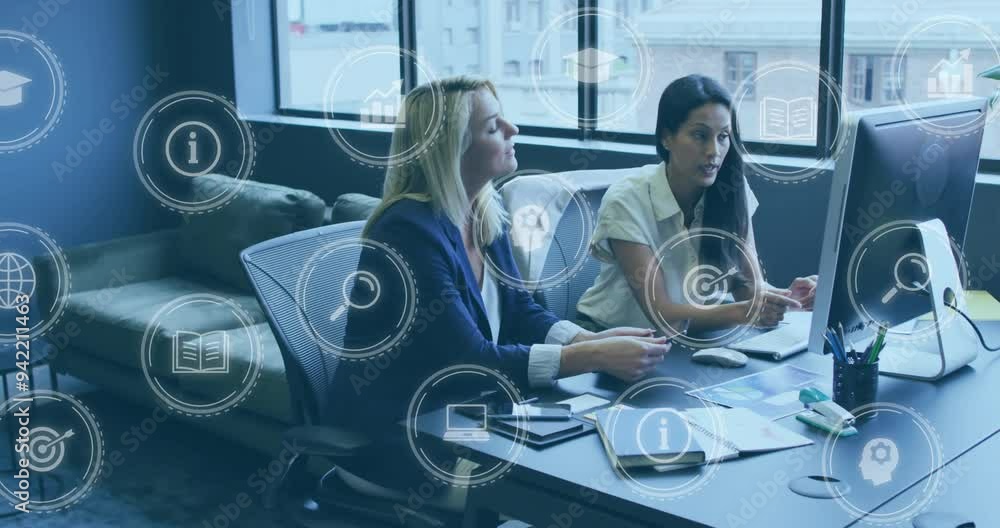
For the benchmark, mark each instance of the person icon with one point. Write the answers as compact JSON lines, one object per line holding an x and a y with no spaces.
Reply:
{"x":879,"y":459}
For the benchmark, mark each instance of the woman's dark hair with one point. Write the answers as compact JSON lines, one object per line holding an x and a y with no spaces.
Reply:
{"x":725,"y":200}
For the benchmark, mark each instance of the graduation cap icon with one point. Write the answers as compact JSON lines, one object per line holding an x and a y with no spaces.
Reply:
{"x":590,"y":65}
{"x":12,"y":88}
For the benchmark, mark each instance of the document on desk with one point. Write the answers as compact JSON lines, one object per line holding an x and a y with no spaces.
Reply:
{"x":730,"y":433}
{"x":773,"y":393}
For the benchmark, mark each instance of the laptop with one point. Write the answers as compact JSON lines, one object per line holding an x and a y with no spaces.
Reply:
{"x":466,"y":423}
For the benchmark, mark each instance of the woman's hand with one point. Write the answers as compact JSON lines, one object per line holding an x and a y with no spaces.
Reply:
{"x":630,"y":358}
{"x":803,"y":289}
{"x":621,"y":331}
{"x":775,"y":303}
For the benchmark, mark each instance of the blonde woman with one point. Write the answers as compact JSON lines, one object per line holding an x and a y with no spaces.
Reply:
{"x":427,"y":216}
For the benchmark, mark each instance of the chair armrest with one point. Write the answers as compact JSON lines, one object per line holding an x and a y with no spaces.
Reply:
{"x":112,"y":263}
{"x":332,"y":442}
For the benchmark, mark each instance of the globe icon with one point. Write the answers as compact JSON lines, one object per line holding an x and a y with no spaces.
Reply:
{"x":16,"y":277}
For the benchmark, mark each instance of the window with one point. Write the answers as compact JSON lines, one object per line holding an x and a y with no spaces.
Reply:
{"x":537,"y":67}
{"x":513,"y":15}
{"x":637,"y":50}
{"x":941,"y":60}
{"x":872,"y":81}
{"x":739,"y":66}
{"x":331,"y":34}
{"x":512,"y":69}
{"x":536,"y":15}
{"x":723,"y":39}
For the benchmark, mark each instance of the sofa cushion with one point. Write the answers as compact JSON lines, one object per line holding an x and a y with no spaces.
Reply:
{"x":351,"y":207}
{"x":209,"y":244}
{"x":112,"y":321}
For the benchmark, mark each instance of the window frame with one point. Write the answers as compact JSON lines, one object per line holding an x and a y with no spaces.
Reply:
{"x":831,"y":59}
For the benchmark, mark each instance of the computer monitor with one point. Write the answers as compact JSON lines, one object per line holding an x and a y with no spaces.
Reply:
{"x":898,"y":166}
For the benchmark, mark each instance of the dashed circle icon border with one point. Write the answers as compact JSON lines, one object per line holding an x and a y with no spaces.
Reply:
{"x":899,"y":64}
{"x":94,"y":466}
{"x":756,"y":304}
{"x":840,"y":139}
{"x":581,"y":252}
{"x":439,"y":114}
{"x":228,"y":401}
{"x":409,"y":302}
{"x":638,"y":483}
{"x":56,"y":105}
{"x":62,"y":275}
{"x":854,"y":268}
{"x":174,"y":203}
{"x":490,"y":474}
{"x":930,"y":485}
{"x":643,"y":57}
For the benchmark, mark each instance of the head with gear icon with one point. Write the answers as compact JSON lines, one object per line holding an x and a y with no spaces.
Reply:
{"x":473,"y":146}
{"x":879,"y":459}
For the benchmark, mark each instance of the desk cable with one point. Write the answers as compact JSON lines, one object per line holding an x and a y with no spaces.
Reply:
{"x":975,"y":327}
{"x":954,"y":306}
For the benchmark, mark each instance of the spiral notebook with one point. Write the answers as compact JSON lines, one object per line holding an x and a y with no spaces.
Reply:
{"x":725,"y":434}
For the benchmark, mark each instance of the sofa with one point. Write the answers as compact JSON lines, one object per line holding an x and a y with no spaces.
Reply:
{"x":119,"y":285}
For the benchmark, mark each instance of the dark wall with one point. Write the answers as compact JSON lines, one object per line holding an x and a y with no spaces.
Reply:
{"x":105,"y":48}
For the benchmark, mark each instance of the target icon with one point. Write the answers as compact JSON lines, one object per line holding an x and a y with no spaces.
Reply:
{"x":46,"y":448}
{"x":705,"y":285}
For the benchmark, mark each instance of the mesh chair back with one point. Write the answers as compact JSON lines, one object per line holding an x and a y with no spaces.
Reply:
{"x":568,"y":246}
{"x":300,"y":318}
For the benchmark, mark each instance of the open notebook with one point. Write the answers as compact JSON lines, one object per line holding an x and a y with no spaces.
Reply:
{"x":729,"y":433}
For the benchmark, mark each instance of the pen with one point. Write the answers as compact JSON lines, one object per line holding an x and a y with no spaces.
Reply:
{"x":881,"y":344}
{"x":529,"y":400}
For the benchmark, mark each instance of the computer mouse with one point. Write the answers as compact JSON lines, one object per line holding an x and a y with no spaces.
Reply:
{"x":722,"y":357}
{"x":942,"y":520}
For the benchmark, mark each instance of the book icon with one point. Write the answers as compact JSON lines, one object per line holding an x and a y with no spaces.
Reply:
{"x":195,"y":353}
{"x":788,"y":118}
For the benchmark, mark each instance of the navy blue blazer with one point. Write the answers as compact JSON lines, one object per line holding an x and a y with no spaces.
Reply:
{"x":450,"y":326}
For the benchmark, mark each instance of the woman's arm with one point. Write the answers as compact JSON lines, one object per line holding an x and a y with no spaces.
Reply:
{"x":635,"y":261}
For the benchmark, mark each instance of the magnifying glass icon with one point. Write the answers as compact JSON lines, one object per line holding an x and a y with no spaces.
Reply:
{"x":364,"y":277}
{"x":919,"y":262}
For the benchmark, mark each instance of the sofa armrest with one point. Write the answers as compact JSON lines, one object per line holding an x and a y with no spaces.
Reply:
{"x":111,"y":263}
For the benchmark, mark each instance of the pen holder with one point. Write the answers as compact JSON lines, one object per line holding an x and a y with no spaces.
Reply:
{"x":854,"y":384}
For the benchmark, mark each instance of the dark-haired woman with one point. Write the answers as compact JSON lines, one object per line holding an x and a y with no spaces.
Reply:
{"x":699,"y":184}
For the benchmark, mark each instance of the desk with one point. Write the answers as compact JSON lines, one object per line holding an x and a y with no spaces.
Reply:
{"x":967,"y":486}
{"x":573,"y":482}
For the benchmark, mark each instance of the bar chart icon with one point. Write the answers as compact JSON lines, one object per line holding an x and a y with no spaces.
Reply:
{"x":384,"y":107}
{"x":951,"y":77}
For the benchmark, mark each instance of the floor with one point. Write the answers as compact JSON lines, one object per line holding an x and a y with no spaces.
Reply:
{"x":179,"y":476}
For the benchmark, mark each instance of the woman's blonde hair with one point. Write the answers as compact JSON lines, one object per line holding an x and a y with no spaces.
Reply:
{"x":437,"y":117}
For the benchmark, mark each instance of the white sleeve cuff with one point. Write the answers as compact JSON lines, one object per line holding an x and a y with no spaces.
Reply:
{"x":562,"y":333}
{"x":543,"y":365}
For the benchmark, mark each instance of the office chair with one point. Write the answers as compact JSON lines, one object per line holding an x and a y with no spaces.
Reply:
{"x":274,"y":268}
{"x":568,"y":247}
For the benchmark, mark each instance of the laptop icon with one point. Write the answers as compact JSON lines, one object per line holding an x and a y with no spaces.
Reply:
{"x":466,"y":423}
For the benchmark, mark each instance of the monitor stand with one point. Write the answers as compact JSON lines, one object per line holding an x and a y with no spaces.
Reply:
{"x":951,"y":345}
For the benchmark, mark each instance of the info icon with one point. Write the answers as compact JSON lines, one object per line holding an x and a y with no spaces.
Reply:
{"x":188,"y":135}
